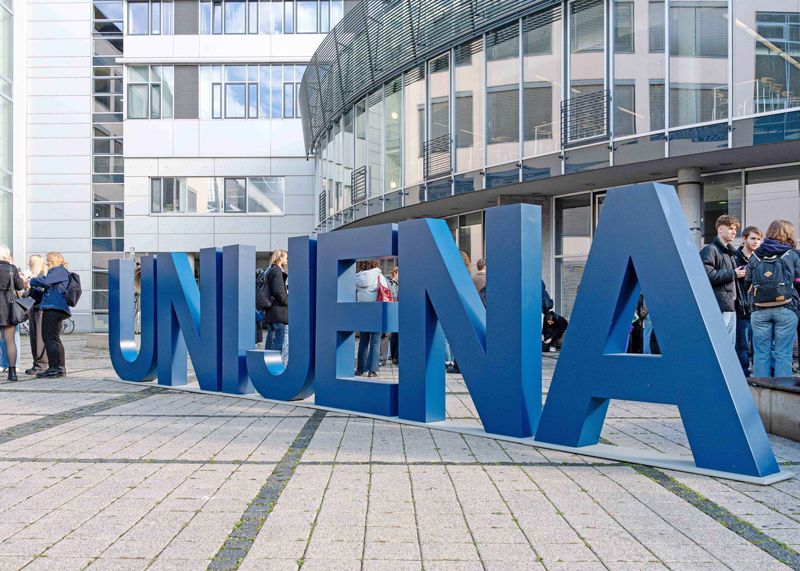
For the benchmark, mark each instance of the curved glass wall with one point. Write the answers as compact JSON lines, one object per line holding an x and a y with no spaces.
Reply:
{"x":6,"y":131}
{"x":577,"y":85}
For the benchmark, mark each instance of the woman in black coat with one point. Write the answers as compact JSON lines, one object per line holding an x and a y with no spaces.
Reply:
{"x":276,"y":316}
{"x":10,"y":283}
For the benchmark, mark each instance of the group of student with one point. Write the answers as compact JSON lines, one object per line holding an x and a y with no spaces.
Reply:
{"x":45,"y":285}
{"x":756,"y":287}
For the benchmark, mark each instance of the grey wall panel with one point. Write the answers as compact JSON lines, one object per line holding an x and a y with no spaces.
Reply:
{"x":186,"y":92}
{"x":187,"y":17}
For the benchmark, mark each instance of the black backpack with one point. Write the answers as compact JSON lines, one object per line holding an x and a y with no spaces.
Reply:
{"x":73,"y":291}
{"x":263,"y":293}
{"x":772,"y":284}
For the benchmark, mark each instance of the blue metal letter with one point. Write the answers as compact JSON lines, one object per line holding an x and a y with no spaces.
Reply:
{"x":497,"y":348}
{"x":130,"y":363}
{"x":643,"y":238}
{"x":188,"y":319}
{"x":339,"y":316}
{"x":295,"y":381}
{"x":238,"y":316}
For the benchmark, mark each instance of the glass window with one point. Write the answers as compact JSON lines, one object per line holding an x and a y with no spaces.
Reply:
{"x":217,"y":17}
{"x":393,"y":102}
{"x":413,"y":125}
{"x":264,"y":89}
{"x":167,"y":17}
{"x":264,"y":21}
{"x":138,"y":18}
{"x":155,"y":102}
{"x":276,"y":91}
{"x":155,"y":17}
{"x":573,"y":238}
{"x":502,"y":75}
{"x":206,"y":18}
{"x":772,"y":194}
{"x":766,"y":47}
{"x":235,"y":195}
{"x":265,"y":195}
{"x":698,"y":61}
{"x":167,"y":91}
{"x":638,"y":100}
{"x":288,"y":100}
{"x":137,"y":101}
{"x":252,"y":16}
{"x":587,"y":26}
{"x":722,"y":194}
{"x":307,"y":17}
{"x":252,"y":100}
{"x":216,"y":101}
{"x":155,"y":195}
{"x":234,"y":100}
{"x":277,"y":16}
{"x":6,"y":44}
{"x":288,"y":9}
{"x":375,"y":143}
{"x":542,"y":87}
{"x":235,"y":17}
{"x":6,"y":148}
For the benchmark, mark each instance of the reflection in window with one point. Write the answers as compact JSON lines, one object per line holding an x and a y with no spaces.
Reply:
{"x":146,"y":17}
{"x":542,"y":83}
{"x":138,"y":18}
{"x":587,"y":26}
{"x":235,"y":195}
{"x":502,"y":76}
{"x":250,"y":91}
{"x":150,"y":92}
{"x":265,"y":195}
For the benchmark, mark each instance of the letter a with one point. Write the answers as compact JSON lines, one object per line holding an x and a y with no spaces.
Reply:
{"x":643,"y":238}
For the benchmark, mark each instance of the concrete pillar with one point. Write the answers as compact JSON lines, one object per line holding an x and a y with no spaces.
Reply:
{"x":690,"y":193}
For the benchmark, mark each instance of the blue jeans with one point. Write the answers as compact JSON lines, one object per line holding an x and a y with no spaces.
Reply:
{"x":275,"y":334}
{"x":4,"y":354}
{"x":369,"y":351}
{"x":647,"y":334}
{"x":729,"y":317}
{"x":774,"y":329}
{"x":744,"y":337}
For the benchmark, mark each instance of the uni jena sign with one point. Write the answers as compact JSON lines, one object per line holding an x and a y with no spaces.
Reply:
{"x":642,"y":241}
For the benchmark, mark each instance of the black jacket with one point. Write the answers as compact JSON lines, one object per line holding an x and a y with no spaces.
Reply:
{"x":279,"y":312}
{"x":791,"y":263}
{"x":556,"y":330}
{"x":719,"y":264}
{"x":10,"y":283}
{"x":744,"y":299}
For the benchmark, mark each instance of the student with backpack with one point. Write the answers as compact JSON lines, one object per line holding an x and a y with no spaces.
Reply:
{"x":771,"y":274}
{"x":62,"y":290}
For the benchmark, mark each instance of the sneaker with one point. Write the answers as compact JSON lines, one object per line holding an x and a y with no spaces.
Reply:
{"x":51,"y":374}
{"x":34,"y":371}
{"x":372,"y":374}
{"x":552,"y":349}
{"x":359,"y":373}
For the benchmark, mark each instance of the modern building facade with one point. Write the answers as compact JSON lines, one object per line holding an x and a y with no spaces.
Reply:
{"x":6,"y":120}
{"x":161,"y":126}
{"x":442,"y":108}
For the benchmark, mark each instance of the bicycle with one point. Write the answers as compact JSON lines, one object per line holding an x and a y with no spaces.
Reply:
{"x":67,"y":327}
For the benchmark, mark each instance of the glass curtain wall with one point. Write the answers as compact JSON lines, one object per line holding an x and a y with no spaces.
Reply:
{"x":393,"y":103}
{"x":414,"y":111}
{"x":586,"y":47}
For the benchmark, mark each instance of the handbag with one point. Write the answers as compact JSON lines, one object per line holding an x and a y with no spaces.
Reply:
{"x":21,"y":309}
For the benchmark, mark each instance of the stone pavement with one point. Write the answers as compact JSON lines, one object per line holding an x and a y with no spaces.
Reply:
{"x":99,"y":474}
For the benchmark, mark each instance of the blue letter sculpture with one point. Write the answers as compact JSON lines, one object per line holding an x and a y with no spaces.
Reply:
{"x":339,"y":316}
{"x":130,"y":363}
{"x":643,"y":238}
{"x":187,"y":319}
{"x":295,"y":381}
{"x":497,"y":348}
{"x":238,"y":316}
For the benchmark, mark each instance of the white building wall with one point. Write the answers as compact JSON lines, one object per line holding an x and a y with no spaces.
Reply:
{"x":57,"y":72}
{"x":216,"y":148}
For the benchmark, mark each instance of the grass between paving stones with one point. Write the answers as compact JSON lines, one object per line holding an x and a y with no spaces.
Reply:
{"x":740,"y":527}
{"x":238,"y":543}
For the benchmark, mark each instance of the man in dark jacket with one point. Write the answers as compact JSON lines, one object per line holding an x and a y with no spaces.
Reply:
{"x":751,"y":240}
{"x":718,"y":259}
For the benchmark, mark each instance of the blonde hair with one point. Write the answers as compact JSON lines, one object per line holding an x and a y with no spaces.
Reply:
{"x":277,"y":256}
{"x":5,"y":253}
{"x":782,"y":231}
{"x":36,"y":265}
{"x":55,"y":259}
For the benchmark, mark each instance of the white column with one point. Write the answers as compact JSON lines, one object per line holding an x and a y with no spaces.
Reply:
{"x":690,"y":194}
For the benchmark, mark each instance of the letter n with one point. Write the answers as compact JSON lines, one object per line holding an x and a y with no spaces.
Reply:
{"x":643,"y":238}
{"x":188,"y":320}
{"x":498,"y":349}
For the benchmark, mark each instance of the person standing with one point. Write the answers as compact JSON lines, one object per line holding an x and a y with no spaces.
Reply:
{"x":771,"y":273}
{"x":10,"y":283}
{"x":54,"y":311}
{"x":718,"y":260}
{"x":479,"y":279}
{"x":751,"y":240}
{"x":38,"y":351}
{"x":394,"y":285}
{"x":276,"y":314}
{"x":369,"y":342}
